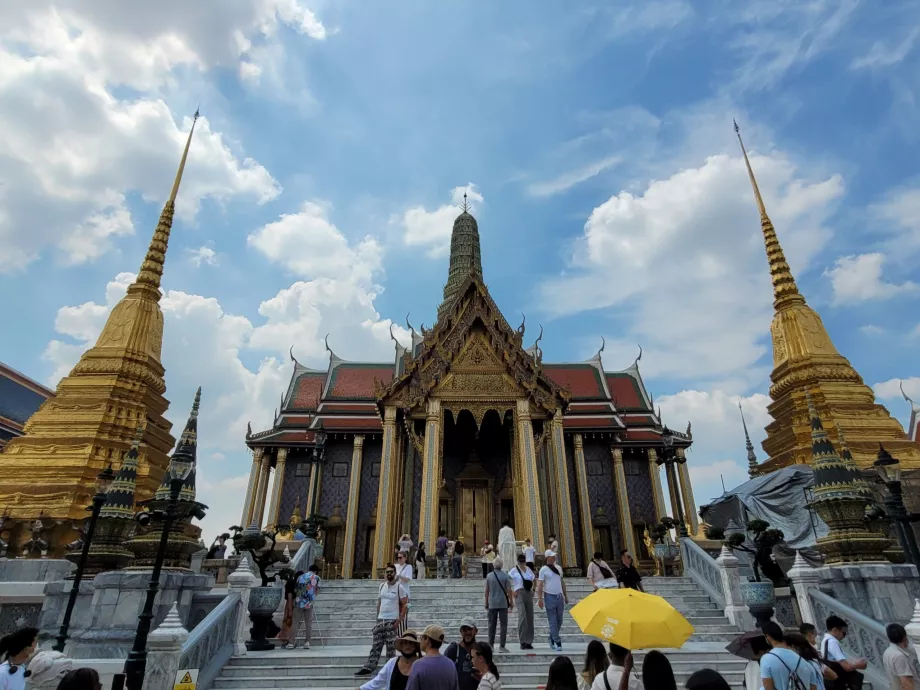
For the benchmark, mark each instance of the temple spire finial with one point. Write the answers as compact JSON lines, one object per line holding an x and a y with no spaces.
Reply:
{"x":751,"y":456}
{"x":151,"y":272}
{"x":466,"y":204}
{"x":784,"y":288}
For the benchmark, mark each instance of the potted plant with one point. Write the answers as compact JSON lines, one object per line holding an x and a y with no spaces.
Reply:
{"x":758,"y":595}
{"x":264,"y":600}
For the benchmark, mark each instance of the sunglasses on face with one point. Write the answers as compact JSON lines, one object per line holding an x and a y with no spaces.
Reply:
{"x":391,"y":572}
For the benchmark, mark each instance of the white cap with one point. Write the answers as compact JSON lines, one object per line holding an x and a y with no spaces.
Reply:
{"x":549,"y":554}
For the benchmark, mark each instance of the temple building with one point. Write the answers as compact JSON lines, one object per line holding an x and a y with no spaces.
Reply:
{"x":92,"y":419}
{"x":462,"y":430}
{"x":20,"y":397}
{"x":805,"y":361}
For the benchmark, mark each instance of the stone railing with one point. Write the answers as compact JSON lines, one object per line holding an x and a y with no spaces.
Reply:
{"x":702,"y":569}
{"x":214,"y":640}
{"x":865,"y":638}
{"x":210,"y":644}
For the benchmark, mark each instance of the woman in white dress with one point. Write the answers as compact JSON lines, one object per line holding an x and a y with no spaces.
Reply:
{"x":404,"y":577}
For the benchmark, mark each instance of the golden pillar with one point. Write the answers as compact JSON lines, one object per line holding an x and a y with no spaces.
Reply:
{"x":386,"y":494}
{"x":354,"y":500}
{"x":314,"y":490}
{"x":584,"y":498}
{"x":672,"y":488}
{"x":564,"y":511}
{"x":261,"y":490}
{"x":431,"y":475}
{"x":275,"y":505}
{"x":533,"y":521}
{"x":246,"y":517}
{"x":619,"y":480}
{"x":654,"y":474}
{"x":686,"y":490}
{"x":407,"y":453}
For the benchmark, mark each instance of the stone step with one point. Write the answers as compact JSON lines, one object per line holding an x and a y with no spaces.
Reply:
{"x":722,"y":637}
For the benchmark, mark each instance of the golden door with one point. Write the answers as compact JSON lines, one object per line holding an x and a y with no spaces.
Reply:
{"x":475,"y":517}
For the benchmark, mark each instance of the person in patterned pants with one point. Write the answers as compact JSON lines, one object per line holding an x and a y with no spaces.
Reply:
{"x":392,"y":602}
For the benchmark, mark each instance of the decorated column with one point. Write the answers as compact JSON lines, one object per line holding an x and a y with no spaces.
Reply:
{"x":431,"y":475}
{"x":534,"y":521}
{"x":654,"y":474}
{"x":729,"y":572}
{"x":686,"y":490}
{"x":804,"y":578}
{"x":164,"y":649}
{"x":584,"y":499}
{"x":619,"y":480}
{"x":242,"y":580}
{"x":354,"y":500}
{"x":673,"y":489}
{"x":246,"y":517}
{"x":386,"y":494}
{"x":261,"y":490}
{"x":407,"y":453}
{"x":564,"y":512}
{"x":313,"y":491}
{"x":275,"y":505}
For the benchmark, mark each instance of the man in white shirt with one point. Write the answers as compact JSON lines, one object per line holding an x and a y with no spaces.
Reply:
{"x":614,"y":672}
{"x":391,"y":608}
{"x":522,"y":585}
{"x":900,"y":660}
{"x":551,"y":591}
{"x":830,"y":646}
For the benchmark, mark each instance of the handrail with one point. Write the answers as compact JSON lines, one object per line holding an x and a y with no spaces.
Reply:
{"x":866,"y":638}
{"x":210,"y":645}
{"x":702,"y":568}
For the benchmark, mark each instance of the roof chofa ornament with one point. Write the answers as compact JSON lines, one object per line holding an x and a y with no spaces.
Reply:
{"x":409,"y":325}
{"x":603,"y":345}
{"x":293,"y":358}
{"x":522,"y":328}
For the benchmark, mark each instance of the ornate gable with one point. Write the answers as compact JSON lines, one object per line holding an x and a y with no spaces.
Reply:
{"x":472,"y":353}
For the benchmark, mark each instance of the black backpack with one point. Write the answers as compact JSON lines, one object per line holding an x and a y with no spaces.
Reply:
{"x":795,"y":683}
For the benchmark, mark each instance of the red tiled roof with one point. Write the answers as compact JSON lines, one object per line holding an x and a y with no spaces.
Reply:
{"x":639,"y":420}
{"x":356,"y":381}
{"x":582,"y":381}
{"x":624,"y":389}
{"x":589,"y":408}
{"x":333,"y":423}
{"x":641,"y":435}
{"x":328,"y":407}
{"x":593,"y":422}
{"x":300,"y":420}
{"x":307,"y":391}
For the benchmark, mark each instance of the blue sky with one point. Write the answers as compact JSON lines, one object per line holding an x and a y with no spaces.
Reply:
{"x":337,"y":138}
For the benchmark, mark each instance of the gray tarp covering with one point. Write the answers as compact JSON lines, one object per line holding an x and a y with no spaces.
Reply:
{"x":779,"y":498}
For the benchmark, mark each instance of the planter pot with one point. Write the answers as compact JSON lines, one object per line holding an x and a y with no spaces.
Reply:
{"x":666,"y":555}
{"x":263,"y":602}
{"x":759,"y":597}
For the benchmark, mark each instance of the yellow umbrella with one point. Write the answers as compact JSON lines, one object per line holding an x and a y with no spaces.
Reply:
{"x":632,"y":619}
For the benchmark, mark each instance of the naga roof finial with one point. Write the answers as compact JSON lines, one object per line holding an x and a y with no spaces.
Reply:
{"x":409,"y":325}
{"x":603,"y":345}
{"x":523,"y":322}
{"x":293,"y":358}
{"x":248,"y":430}
{"x":906,"y":397}
{"x":636,"y":363}
{"x":688,"y":432}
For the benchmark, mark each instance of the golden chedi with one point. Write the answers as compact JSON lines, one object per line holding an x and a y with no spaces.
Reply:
{"x":117,"y":386}
{"x":805,"y":360}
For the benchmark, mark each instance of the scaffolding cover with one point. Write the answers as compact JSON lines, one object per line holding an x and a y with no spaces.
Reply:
{"x":779,"y":498}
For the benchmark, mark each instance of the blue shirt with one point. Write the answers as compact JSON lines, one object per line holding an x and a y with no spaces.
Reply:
{"x":778,"y":664}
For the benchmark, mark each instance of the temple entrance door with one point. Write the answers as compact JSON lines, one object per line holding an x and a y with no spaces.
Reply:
{"x":475,"y":516}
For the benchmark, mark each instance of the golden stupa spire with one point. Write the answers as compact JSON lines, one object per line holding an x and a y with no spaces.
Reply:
{"x":148,"y":278}
{"x":785,"y":291}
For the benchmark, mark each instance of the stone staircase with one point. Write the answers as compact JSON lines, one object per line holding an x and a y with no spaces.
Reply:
{"x":345,"y":616}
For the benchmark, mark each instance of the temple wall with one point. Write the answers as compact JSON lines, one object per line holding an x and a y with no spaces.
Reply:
{"x":601,"y":488}
{"x":296,"y":484}
{"x":373,"y":451}
{"x":417,"y":497}
{"x":639,"y":485}
{"x":581,"y":558}
{"x":334,"y":489}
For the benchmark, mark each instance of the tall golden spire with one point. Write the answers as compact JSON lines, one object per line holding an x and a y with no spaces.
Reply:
{"x":117,"y":386}
{"x":785,"y":291}
{"x":148,"y":278}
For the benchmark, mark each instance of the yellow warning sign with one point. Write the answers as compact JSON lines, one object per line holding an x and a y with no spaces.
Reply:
{"x":186,"y":679}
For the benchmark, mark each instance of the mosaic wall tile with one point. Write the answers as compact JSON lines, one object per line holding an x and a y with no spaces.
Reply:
{"x":373,"y":451}
{"x":334,"y":490}
{"x":601,"y":487}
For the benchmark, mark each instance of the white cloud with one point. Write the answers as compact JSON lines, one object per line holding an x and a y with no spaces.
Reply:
{"x":891,"y":389}
{"x":901,"y":211}
{"x":858,"y":278}
{"x":872,"y":330}
{"x":431,"y":229}
{"x":687,"y":252}
{"x":203,"y":255}
{"x":572,"y":178}
{"x":718,"y":453}
{"x":885,"y":54}
{"x":73,"y":149}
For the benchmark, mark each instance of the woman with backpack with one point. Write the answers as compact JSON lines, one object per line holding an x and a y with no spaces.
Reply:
{"x":305,"y":595}
{"x":802,"y":646}
{"x":522,"y":586}
{"x":598,"y":570}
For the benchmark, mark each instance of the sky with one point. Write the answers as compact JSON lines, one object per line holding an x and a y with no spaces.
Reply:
{"x":336,"y":140}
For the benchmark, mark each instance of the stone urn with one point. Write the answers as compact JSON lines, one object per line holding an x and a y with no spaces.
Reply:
{"x":759,"y":597}
{"x":263,"y":602}
{"x":666,"y":555}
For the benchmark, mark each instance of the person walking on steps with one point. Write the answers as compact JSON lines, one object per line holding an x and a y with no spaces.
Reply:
{"x":530,"y":553}
{"x":488,"y":672}
{"x":522,"y":583}
{"x":434,"y":671}
{"x":420,"y":557}
{"x":461,"y":654}
{"x":305,"y":596}
{"x":404,"y":577}
{"x":498,"y":602}
{"x":552,"y":595}
{"x":488,"y":555}
{"x":598,"y":570}
{"x":391,"y":608}
{"x":457,"y":558}
{"x":395,"y":673}
{"x":507,"y":545}
{"x":440,"y":552}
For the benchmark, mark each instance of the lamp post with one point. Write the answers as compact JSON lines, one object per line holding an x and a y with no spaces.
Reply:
{"x":889,"y":472}
{"x":667,"y":438}
{"x":103,"y":481}
{"x":136,"y":664}
{"x":311,"y":526}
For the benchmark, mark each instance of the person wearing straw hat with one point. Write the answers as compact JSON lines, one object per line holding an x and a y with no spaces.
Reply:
{"x":395,"y":673}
